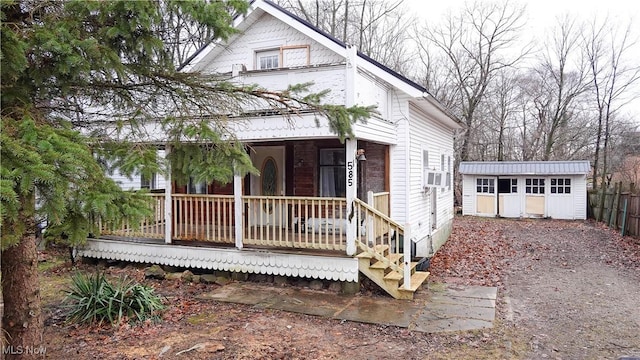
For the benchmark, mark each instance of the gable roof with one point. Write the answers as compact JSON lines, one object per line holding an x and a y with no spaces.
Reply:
{"x":581,"y":167}
{"x":395,"y":79}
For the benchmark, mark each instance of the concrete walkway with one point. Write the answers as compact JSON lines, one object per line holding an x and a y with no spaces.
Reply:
{"x":435,"y":309}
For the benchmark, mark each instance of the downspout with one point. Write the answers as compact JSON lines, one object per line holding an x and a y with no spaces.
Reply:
{"x":497,"y":196}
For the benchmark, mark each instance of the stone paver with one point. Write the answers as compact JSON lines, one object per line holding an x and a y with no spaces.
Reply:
{"x":374,"y":311}
{"x":434,"y":310}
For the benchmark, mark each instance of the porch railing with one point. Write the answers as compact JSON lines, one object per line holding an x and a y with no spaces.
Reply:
{"x":152,"y":227}
{"x":295,"y":222}
{"x":380,"y":201}
{"x":270,"y":221}
{"x":377,"y":232}
{"x":203,"y":217}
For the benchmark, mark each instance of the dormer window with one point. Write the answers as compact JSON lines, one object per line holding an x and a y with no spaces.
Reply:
{"x":267,"y":59}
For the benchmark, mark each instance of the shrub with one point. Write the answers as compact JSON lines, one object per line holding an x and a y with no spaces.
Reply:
{"x":92,"y":298}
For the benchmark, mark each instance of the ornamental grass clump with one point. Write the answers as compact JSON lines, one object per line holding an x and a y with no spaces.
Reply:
{"x":94,"y":299}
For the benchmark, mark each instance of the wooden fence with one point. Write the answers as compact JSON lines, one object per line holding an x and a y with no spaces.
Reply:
{"x":621,"y":209}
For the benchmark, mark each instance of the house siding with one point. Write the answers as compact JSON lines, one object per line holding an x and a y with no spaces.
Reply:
{"x":428,"y":134}
{"x":330,"y":77}
{"x":134,"y":182}
{"x":398,"y":162}
{"x":468,"y":195}
{"x":268,"y":33}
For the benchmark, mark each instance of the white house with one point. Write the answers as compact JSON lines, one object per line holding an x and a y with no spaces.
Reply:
{"x":318,"y":208}
{"x":137,"y":181}
{"x":555,"y":189}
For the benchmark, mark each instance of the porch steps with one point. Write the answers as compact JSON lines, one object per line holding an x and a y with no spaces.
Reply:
{"x":383,"y":275}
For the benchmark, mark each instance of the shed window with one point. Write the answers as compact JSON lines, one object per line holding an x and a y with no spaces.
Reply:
{"x":534,"y":186}
{"x":485,"y":186}
{"x":507,"y":186}
{"x":561,"y":186}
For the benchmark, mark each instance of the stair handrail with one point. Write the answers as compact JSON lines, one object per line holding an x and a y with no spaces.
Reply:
{"x":372,"y":250}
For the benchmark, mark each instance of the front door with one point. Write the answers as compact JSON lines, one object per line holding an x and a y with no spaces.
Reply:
{"x":270,"y":161}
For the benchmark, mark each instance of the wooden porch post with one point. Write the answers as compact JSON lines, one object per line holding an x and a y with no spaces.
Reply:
{"x":352,"y":190}
{"x":238,"y":207}
{"x":168,"y":213}
{"x":351,"y":73}
{"x":407,"y":256}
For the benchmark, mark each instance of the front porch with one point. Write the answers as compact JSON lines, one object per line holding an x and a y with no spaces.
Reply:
{"x":307,"y":209}
{"x":281,"y":235}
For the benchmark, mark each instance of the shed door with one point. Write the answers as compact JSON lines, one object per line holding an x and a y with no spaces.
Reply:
{"x":485,"y":196}
{"x":560,"y":198}
{"x":508,"y":198}
{"x":535,"y":190}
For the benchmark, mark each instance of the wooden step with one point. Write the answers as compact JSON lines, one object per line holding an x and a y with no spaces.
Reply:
{"x":380,"y":249}
{"x":392,"y":258}
{"x":417,"y":279}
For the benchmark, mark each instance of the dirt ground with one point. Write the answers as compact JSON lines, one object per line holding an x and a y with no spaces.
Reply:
{"x":567,"y":290}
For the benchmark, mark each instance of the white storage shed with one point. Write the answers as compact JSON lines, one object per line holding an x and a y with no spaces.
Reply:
{"x":555,"y":189}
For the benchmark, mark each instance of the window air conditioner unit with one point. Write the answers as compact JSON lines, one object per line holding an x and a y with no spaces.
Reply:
{"x":433,"y":178}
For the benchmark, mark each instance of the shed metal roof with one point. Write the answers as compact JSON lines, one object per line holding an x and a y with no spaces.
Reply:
{"x":581,"y":167}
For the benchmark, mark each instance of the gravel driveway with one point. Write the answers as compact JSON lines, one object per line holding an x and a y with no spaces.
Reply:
{"x":570,"y":289}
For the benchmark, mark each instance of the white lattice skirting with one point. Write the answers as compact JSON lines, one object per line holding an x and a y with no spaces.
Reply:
{"x":246,"y":260}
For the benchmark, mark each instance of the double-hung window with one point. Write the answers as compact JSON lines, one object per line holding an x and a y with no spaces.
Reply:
{"x":332,"y":173}
{"x":147,"y":182}
{"x":196,"y":187}
{"x":267,"y":59}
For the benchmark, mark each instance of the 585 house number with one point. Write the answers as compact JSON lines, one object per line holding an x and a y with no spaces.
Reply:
{"x":350,"y":167}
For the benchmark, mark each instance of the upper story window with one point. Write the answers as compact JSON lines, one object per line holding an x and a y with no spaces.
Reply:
{"x":267,"y":59}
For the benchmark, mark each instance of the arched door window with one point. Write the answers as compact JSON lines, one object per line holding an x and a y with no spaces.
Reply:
{"x":269,"y":181}
{"x":269,"y":177}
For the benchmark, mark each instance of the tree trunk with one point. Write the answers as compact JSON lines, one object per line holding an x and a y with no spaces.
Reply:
{"x":22,"y":319}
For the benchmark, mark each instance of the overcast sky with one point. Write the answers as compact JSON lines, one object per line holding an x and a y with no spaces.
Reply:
{"x":542,"y":15}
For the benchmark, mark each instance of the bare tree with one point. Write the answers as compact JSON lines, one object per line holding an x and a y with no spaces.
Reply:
{"x":376,"y":27}
{"x":503,"y":102}
{"x":607,"y":50}
{"x":477,"y":42}
{"x":562,"y":76}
